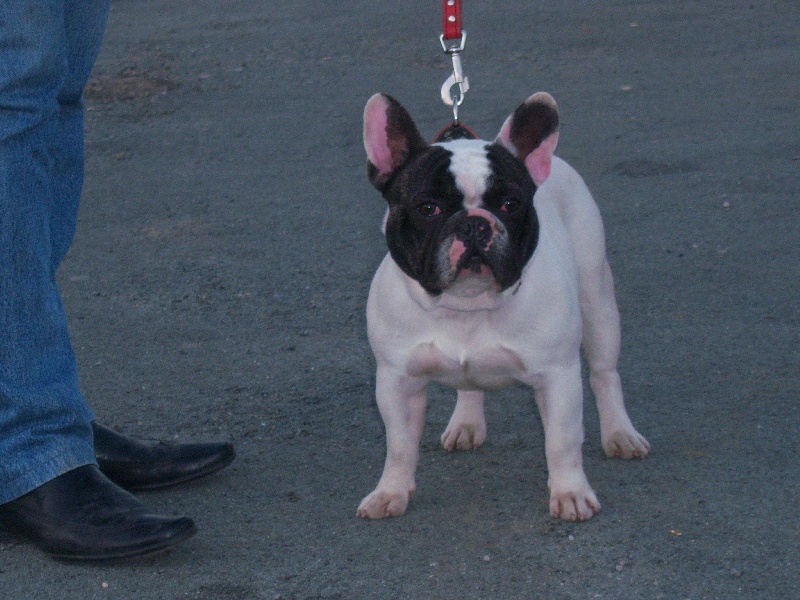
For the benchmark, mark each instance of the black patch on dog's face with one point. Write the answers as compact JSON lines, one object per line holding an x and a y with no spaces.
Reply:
{"x":424,"y":202}
{"x":412,"y":234}
{"x":509,"y":196}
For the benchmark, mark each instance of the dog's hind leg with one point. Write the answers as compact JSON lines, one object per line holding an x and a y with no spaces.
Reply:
{"x":601,"y":344}
{"x":599,"y":313}
{"x":467,"y":427}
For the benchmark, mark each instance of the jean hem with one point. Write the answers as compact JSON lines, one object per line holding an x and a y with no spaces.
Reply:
{"x":37,"y":473}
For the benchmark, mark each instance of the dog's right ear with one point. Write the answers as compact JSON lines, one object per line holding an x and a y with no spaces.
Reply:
{"x":390,"y":138}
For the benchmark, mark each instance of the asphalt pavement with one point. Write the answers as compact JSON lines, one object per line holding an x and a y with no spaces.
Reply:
{"x":228,"y":235}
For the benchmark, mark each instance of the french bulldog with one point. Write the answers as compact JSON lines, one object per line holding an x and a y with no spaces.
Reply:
{"x":496,"y":273}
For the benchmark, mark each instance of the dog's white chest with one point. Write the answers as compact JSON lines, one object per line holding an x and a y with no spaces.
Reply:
{"x":489,"y":366}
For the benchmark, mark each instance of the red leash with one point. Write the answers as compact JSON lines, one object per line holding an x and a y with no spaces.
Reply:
{"x":453,"y":40}
{"x":451,"y":19}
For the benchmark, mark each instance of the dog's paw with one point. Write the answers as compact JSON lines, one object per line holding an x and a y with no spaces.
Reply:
{"x":383,"y":503}
{"x":466,"y":429}
{"x":573,"y":501}
{"x":625,"y":443}
{"x":463,"y":436}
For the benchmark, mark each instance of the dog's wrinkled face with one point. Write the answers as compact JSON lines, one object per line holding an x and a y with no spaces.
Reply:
{"x":461,"y":218}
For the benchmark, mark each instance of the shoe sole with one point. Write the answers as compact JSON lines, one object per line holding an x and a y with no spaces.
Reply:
{"x":130,"y":554}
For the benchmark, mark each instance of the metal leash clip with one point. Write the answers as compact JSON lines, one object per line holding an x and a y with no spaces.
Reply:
{"x":457,"y":78}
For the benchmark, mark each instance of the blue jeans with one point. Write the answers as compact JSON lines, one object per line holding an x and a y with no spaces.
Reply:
{"x":47,"y":50}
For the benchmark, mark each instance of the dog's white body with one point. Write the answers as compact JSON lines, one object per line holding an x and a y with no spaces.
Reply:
{"x":477,"y":339}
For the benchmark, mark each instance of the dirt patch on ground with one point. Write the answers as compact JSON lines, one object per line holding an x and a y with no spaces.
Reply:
{"x":129,"y":84}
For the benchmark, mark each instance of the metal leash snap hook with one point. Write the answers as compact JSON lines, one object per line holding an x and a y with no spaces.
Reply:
{"x":454,"y":100}
{"x":457,"y":78}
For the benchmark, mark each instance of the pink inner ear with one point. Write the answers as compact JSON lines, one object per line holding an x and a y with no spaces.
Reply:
{"x":376,"y":140}
{"x":539,"y":161}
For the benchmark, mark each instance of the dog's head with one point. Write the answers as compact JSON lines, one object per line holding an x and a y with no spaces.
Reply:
{"x":461,"y":218}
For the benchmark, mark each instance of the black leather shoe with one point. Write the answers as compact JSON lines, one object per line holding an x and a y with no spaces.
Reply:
{"x":145,"y":465}
{"x":81,"y":515}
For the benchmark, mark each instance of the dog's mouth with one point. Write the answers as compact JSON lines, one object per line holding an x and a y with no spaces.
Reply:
{"x":471,"y":275}
{"x":471,"y":254}
{"x":473,"y":266}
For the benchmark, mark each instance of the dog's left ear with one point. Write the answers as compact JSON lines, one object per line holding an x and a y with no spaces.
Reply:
{"x":391,"y":138}
{"x":531,"y":134}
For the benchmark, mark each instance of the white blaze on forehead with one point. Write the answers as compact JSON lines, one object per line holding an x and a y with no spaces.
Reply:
{"x":470,"y":167}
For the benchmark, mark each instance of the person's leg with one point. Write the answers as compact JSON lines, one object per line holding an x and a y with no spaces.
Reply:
{"x":44,"y":421}
{"x":85,"y":24}
{"x":46,"y":56}
{"x":131,"y":463}
{"x":51,"y":490}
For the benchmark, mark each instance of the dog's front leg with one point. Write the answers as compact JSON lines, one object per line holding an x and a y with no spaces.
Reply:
{"x":560,"y":399}
{"x":401,"y":401}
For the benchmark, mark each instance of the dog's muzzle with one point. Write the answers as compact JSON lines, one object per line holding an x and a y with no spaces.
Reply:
{"x":472,"y":242}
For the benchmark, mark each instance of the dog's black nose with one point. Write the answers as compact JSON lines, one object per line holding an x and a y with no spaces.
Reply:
{"x":475,"y":229}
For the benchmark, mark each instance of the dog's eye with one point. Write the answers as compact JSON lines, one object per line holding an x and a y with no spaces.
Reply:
{"x":429,"y":209}
{"x":510,"y":205}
